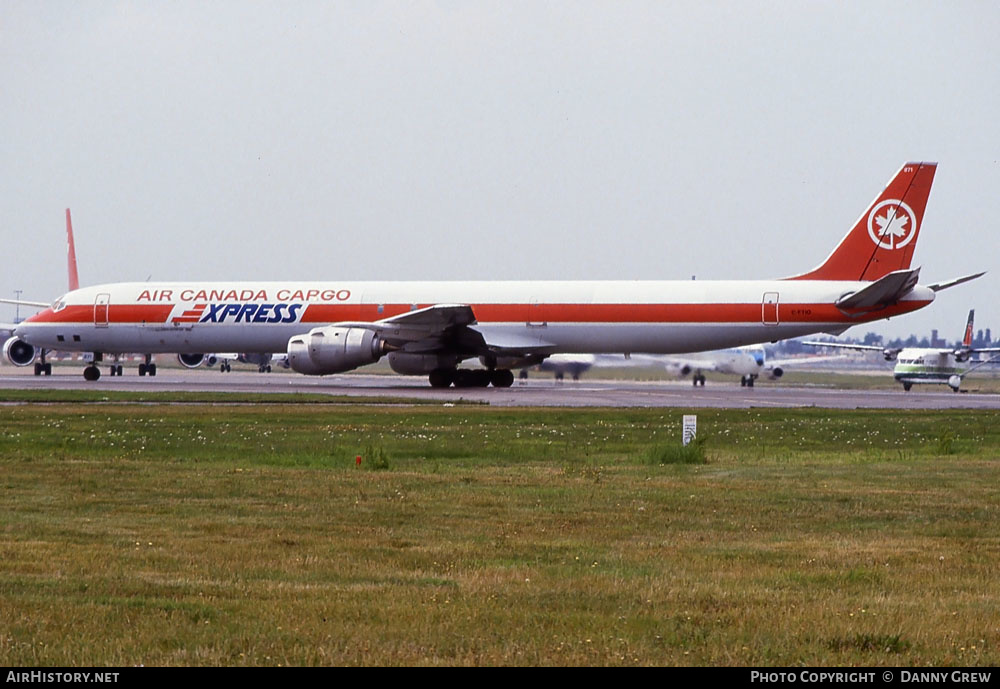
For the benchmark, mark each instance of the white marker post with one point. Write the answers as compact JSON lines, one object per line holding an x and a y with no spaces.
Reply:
{"x":690,"y":428}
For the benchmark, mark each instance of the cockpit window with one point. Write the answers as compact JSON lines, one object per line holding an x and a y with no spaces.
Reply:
{"x":59,"y":304}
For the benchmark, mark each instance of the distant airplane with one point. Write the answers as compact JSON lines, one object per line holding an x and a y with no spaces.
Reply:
{"x":20,"y":353}
{"x":750,"y":363}
{"x":224,"y":361}
{"x":429,"y":328}
{"x":928,"y":364}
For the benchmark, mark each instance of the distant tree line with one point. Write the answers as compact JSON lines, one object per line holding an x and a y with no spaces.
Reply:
{"x":983,"y":338}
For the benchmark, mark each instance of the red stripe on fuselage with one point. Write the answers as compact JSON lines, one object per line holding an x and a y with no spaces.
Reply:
{"x":611,"y":313}
{"x":321,"y":314}
{"x":117,"y":313}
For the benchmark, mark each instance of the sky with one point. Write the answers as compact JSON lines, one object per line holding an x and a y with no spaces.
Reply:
{"x":488,"y":140}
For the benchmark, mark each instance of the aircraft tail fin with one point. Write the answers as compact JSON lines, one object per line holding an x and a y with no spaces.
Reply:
{"x":967,"y":340}
{"x":74,"y":278}
{"x":883,"y":238}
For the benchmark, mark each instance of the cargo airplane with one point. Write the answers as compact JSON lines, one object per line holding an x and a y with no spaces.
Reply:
{"x":429,"y":328}
{"x":943,"y":365}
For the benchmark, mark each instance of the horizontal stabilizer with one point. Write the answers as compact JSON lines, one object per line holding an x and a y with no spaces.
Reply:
{"x":884,"y":291}
{"x":938,"y":286}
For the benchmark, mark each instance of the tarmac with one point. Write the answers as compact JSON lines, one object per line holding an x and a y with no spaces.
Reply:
{"x":536,"y":392}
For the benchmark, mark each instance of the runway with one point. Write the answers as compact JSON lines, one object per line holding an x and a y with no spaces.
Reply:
{"x":533,"y":393}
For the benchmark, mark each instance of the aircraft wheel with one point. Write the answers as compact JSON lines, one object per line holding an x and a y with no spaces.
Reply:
{"x":749,"y":381}
{"x":91,"y":373}
{"x":907,"y":386}
{"x":142,"y":369}
{"x":38,"y":369}
{"x":502,"y":378}
{"x":267,"y":369}
{"x":743,"y":381}
{"x":152,"y":369}
{"x":47,"y":369}
{"x":442,"y":377}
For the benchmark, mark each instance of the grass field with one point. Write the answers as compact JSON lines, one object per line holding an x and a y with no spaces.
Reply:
{"x":246,"y":535}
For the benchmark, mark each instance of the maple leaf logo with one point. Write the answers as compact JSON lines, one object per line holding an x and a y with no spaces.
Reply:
{"x":892,"y":225}
{"x":896,"y":225}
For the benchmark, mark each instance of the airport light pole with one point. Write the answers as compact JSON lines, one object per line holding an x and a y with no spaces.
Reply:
{"x":17,"y":314}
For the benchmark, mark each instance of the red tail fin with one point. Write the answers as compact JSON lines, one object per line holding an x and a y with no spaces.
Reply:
{"x":74,"y":278}
{"x":883,"y":239}
{"x":967,"y":340}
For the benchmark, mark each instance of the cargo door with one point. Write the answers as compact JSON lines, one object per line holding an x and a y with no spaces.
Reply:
{"x":101,"y":306}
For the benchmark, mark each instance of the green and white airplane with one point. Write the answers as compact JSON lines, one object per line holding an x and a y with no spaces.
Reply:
{"x":945,"y":365}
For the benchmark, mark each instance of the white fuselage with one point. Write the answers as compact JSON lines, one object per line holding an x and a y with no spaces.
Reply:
{"x":575,"y":317}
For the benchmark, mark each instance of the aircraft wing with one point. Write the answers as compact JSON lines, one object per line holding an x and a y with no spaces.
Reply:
{"x":452,"y":327}
{"x":806,"y":360}
{"x":845,"y":345}
{"x":24,"y":302}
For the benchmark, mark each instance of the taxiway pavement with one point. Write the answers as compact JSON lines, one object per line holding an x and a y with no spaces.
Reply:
{"x":532,"y":393}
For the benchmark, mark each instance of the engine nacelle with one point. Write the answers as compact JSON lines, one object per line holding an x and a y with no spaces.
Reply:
{"x":334,"y":349}
{"x":191,"y":360}
{"x":419,"y":364}
{"x":775,"y":373}
{"x":890,"y":354}
{"x":19,"y":352}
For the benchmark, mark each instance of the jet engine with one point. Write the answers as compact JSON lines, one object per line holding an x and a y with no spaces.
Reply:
{"x":681,"y":370}
{"x":775,"y":373}
{"x":191,"y":360}
{"x":420,"y":364}
{"x":19,"y":352}
{"x":334,"y":349}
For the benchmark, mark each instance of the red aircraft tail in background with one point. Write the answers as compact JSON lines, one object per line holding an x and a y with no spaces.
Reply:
{"x":74,"y":278}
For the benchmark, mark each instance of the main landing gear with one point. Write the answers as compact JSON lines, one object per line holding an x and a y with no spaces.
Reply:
{"x":148,"y":368}
{"x":42,"y":367}
{"x":698,"y":379}
{"x":747,"y":381}
{"x":471,"y":377}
